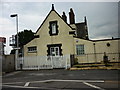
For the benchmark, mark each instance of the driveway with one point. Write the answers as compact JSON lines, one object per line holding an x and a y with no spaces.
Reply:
{"x":60,"y":79}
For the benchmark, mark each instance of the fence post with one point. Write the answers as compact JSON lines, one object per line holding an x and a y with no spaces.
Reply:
{"x":51,"y":61}
{"x":66,"y":64}
{"x":37,"y":65}
{"x":87,"y":58}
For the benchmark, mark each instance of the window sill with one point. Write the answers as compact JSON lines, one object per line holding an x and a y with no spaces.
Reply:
{"x":32,"y":51}
{"x":81,"y":55}
{"x":53,"y":34}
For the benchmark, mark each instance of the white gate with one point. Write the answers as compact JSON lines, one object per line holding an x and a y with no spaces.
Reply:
{"x":58,"y":61}
{"x":43,"y":62}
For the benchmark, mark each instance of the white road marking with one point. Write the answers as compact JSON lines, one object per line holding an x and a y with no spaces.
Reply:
{"x":27,"y":84}
{"x":93,"y":86}
{"x":54,"y":80}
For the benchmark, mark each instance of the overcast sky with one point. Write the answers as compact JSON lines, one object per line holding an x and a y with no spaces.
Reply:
{"x":102,"y":17}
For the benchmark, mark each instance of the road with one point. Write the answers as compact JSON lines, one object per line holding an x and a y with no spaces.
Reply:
{"x":59,"y":79}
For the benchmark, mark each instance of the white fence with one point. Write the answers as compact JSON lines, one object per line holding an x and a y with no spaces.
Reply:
{"x":43,"y":62}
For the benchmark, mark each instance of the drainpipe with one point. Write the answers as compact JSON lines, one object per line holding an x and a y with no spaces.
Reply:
{"x":95,"y":53}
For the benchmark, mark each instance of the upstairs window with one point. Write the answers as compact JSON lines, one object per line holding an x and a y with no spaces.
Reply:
{"x":80,"y":49}
{"x":53,"y":28}
{"x":53,"y":25}
{"x":32,"y":49}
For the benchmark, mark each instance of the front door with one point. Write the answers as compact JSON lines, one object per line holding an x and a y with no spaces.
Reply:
{"x":56,"y":59}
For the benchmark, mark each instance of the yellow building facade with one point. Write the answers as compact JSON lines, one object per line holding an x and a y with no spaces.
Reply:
{"x":57,"y":45}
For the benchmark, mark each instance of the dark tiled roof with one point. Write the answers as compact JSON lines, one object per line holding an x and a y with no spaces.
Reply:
{"x":105,"y":39}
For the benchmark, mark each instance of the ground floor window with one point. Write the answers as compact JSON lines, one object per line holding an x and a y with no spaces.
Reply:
{"x":32,"y":49}
{"x":80,"y":49}
{"x":54,"y":50}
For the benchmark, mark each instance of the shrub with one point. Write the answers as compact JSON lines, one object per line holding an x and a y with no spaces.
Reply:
{"x":76,"y":61}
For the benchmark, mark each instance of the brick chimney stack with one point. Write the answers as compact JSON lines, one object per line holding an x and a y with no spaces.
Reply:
{"x":71,"y":16}
{"x":64,"y":17}
{"x":85,"y":20}
{"x":52,"y":7}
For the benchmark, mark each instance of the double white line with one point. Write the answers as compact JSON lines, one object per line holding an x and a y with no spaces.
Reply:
{"x":86,"y":82}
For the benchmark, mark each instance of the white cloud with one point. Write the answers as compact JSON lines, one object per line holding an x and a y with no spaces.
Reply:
{"x":7,"y":29}
{"x":30,"y":22}
{"x":101,"y":16}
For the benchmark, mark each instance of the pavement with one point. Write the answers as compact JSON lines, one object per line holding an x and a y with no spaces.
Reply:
{"x":60,"y":79}
{"x":96,"y":68}
{"x":100,"y":66}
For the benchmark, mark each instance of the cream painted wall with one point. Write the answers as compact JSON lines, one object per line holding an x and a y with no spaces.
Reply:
{"x":102,"y":46}
{"x":88,"y":49}
{"x":111,"y":51}
{"x":63,"y":37}
{"x":88,"y":45}
{"x":99,"y":48}
{"x":30,"y":44}
{"x":69,"y":43}
{"x":73,"y":26}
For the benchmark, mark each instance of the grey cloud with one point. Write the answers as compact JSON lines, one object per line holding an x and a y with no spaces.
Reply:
{"x":105,"y":30}
{"x":102,"y":17}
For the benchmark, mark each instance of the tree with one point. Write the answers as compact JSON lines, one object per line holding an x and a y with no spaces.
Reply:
{"x":24,"y":37}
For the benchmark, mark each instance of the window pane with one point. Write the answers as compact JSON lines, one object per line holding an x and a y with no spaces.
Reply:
{"x":80,"y":49}
{"x":32,"y":49}
{"x":51,"y":51}
{"x":54,"y":51}
{"x":57,"y":51}
{"x":53,"y":28}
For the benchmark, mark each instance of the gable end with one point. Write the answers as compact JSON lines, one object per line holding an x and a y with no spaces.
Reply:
{"x":48,"y":16}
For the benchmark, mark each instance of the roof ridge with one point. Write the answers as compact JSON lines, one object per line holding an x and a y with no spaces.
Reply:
{"x":47,"y":17}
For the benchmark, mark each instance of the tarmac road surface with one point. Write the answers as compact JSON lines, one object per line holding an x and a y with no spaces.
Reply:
{"x":60,"y":79}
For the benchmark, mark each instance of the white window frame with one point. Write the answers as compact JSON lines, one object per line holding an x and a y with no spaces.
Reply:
{"x":32,"y":49}
{"x":53,"y":25}
{"x":80,"y":49}
{"x":55,"y":52}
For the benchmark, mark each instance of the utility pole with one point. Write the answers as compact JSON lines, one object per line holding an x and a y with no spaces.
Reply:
{"x":17,"y":47}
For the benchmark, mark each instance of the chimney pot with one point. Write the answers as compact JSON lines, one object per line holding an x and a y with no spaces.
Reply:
{"x":71,"y":16}
{"x":52,"y":6}
{"x":64,"y":17}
